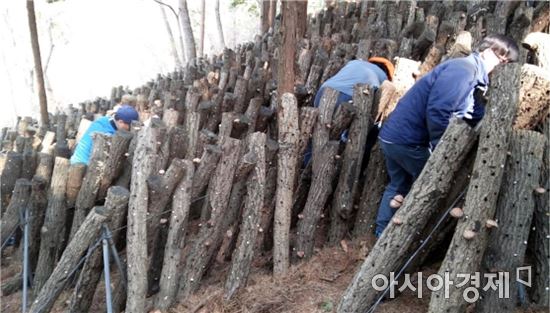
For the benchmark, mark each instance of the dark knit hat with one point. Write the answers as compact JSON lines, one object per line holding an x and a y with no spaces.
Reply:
{"x":127,"y":114}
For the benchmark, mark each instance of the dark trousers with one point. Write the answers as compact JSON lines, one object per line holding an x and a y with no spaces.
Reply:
{"x":404,"y":164}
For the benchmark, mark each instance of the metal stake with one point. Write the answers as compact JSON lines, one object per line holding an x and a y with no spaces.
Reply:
{"x":25,"y":260}
{"x":107,"y":272}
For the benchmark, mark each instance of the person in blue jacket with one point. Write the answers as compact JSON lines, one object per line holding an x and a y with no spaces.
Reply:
{"x":414,"y":128}
{"x":372,"y":72}
{"x":107,"y":125}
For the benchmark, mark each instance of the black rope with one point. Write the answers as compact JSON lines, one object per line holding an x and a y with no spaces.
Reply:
{"x":411,"y":258}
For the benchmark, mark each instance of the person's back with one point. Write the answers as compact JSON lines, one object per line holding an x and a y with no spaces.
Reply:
{"x":422,"y":114}
{"x":83,"y":149}
{"x":356,"y":71}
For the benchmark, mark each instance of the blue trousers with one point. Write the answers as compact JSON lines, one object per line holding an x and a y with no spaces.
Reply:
{"x":404,"y":164}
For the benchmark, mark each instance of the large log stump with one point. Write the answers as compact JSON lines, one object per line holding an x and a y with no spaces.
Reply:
{"x":52,"y":232}
{"x":465,"y":253}
{"x":246,"y":243}
{"x":391,"y":250}
{"x":219,"y":191}
{"x":81,"y":300}
{"x":86,"y":235}
{"x":176,"y":239}
{"x":348,"y":181}
{"x":539,"y":44}
{"x":516,"y":204}
{"x":287,"y":116}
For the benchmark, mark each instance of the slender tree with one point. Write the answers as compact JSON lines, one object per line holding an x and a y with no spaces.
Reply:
{"x":301,"y":11}
{"x":264,"y":19}
{"x":43,"y":101}
{"x":173,"y":49}
{"x":180,"y":33}
{"x":203,"y":15}
{"x":272,"y":12}
{"x":190,"y":50}
{"x":219,"y":24}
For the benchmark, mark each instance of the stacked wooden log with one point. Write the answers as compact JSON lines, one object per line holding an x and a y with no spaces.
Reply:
{"x":208,"y":176}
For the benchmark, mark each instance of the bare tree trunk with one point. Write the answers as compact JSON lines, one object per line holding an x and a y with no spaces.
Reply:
{"x":203,"y":15}
{"x":44,"y":120}
{"x":272,"y":12}
{"x":288,"y":140}
{"x":190,"y":50}
{"x":285,"y":73}
{"x":174,"y":50}
{"x":301,"y":11}
{"x":219,"y":24}
{"x":264,"y":18}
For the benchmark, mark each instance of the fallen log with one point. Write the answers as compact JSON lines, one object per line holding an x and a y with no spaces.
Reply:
{"x":465,"y":254}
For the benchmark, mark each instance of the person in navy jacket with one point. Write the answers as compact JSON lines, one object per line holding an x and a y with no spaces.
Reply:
{"x":106,"y":125}
{"x":414,"y":128}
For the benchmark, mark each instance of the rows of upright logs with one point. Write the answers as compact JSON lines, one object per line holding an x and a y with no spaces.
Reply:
{"x":219,"y":165}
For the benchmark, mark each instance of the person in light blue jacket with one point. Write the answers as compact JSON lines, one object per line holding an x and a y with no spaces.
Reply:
{"x":413,"y":129}
{"x":106,"y":125}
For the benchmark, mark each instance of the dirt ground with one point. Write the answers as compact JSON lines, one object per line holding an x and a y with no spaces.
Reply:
{"x":313,"y":286}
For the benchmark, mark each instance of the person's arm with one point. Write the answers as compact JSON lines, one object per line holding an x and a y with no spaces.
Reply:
{"x":447,"y":96}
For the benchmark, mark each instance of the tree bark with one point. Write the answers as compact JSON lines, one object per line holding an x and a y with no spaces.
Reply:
{"x":19,"y":200}
{"x":391,"y":250}
{"x":44,"y":119}
{"x":81,"y":300}
{"x":118,"y":149}
{"x":301,"y":19}
{"x":285,"y":73}
{"x":534,"y":95}
{"x":219,"y":191}
{"x":287,"y":116}
{"x":144,"y":164}
{"x":342,"y":204}
{"x":219,"y":25}
{"x":176,"y":239}
{"x":464,"y":255}
{"x":84,"y":237}
{"x":541,"y":233}
{"x":373,"y":188}
{"x":516,"y":203}
{"x":10,"y":174}
{"x":207,"y":166}
{"x":173,"y":49}
{"x":324,"y":170}
{"x":52,"y":232}
{"x":91,"y":182}
{"x":190,"y":50}
{"x":246,"y":243}
{"x":75,"y":176}
{"x":202,"y":24}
